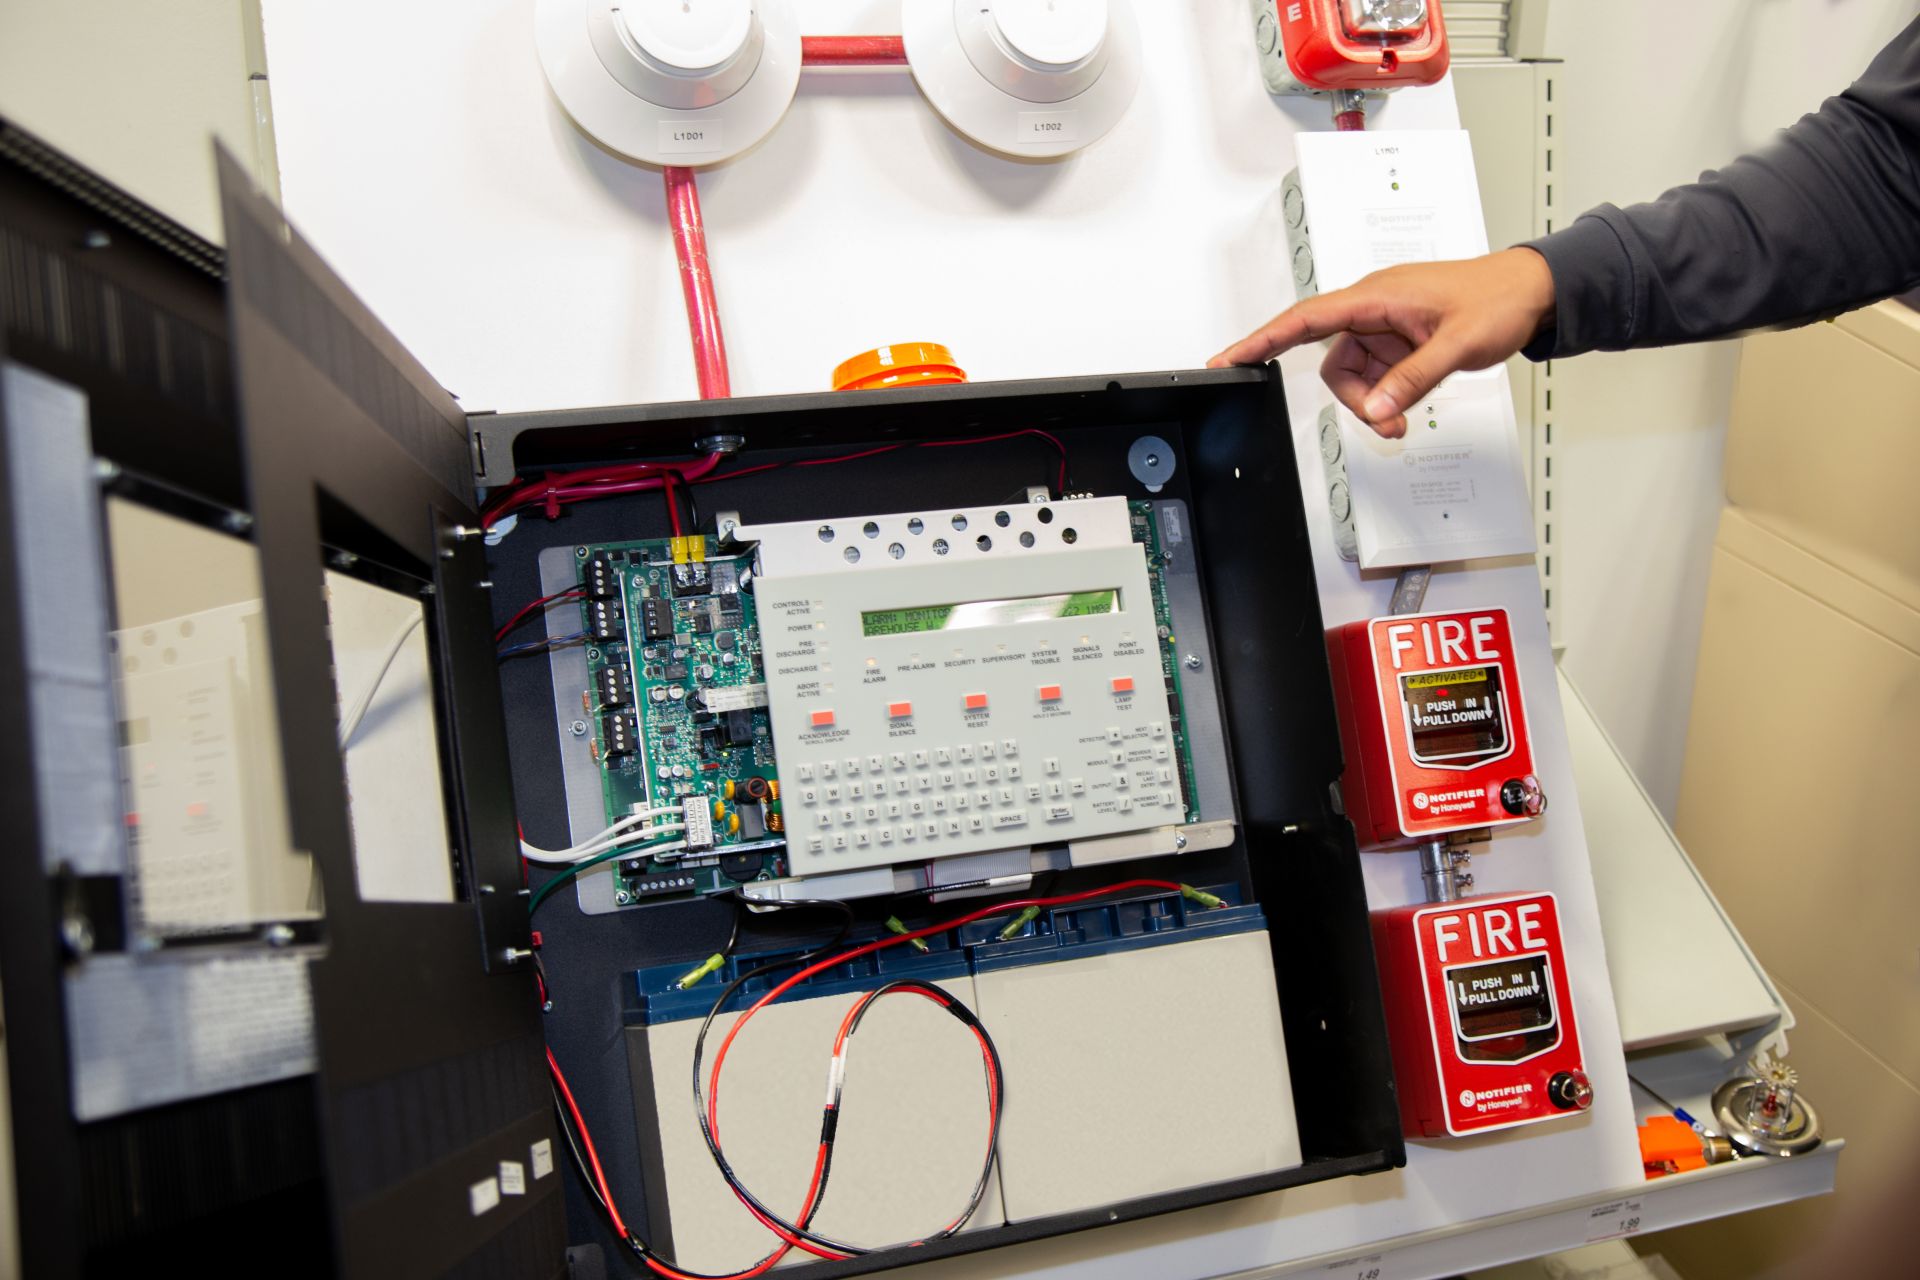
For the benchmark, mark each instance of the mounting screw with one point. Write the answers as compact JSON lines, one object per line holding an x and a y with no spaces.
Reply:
{"x":277,"y":935}
{"x":623,"y":897}
{"x":1193,"y":662}
{"x":236,"y":522}
{"x":546,"y":1006}
{"x":345,"y":559}
{"x":720,"y":444}
{"x":105,"y":470}
{"x":461,"y":531}
{"x":1463,"y":880}
{"x":579,"y":728}
{"x":486,"y":891}
{"x":1179,"y":840}
{"x":77,"y":932}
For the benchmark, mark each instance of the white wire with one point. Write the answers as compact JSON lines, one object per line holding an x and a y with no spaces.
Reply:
{"x":599,"y":839}
{"x":350,"y":722}
{"x":662,"y":850}
{"x":561,"y":857}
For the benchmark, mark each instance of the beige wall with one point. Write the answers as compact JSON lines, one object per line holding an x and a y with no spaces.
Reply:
{"x":1653,"y":92}
{"x":1798,"y":802}
{"x":136,"y":89}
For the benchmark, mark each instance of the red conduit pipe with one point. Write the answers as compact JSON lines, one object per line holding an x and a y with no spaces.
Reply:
{"x":853,"y":51}
{"x":696,"y":284}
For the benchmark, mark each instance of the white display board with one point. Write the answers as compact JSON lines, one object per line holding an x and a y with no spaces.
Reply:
{"x":424,"y":156}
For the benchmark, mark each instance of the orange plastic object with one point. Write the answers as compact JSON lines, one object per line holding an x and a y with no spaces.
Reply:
{"x":1668,"y":1144}
{"x":904,"y":364}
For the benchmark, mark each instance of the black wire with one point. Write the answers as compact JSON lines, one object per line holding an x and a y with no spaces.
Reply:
{"x":743,"y":911}
{"x":573,"y":1145}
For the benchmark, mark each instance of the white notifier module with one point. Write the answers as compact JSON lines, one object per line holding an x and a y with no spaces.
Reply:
{"x":958,"y":680}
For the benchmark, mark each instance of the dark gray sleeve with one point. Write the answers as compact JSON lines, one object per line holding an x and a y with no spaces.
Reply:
{"x":1824,"y":220}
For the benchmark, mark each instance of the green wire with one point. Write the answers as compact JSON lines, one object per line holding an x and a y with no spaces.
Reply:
{"x":575,"y":868}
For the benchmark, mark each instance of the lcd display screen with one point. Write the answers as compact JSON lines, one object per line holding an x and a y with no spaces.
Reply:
{"x":989,"y":613}
{"x":1455,"y":715}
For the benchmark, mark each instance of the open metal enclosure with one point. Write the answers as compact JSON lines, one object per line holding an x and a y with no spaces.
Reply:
{"x":268,"y":408}
{"x":1295,"y":852}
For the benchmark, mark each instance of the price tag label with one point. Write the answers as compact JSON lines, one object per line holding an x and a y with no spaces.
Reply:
{"x":1371,"y":1267}
{"x":1614,"y":1219}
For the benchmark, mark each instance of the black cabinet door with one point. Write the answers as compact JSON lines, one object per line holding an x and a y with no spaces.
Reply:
{"x":428,"y":1032}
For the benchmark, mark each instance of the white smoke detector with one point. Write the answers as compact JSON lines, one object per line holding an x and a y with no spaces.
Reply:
{"x":671,"y":82}
{"x":1025,"y":77}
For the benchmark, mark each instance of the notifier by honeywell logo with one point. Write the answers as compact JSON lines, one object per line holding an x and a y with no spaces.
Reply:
{"x":1447,"y":801}
{"x":1510,"y":1095}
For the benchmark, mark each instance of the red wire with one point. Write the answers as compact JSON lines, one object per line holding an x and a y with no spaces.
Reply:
{"x":673,"y":506}
{"x":564,"y":488}
{"x":506,"y":628}
{"x":853,"y":51}
{"x":556,"y":489}
{"x":620,"y":1226}
{"x":788,"y":1241}
{"x":894,"y":940}
{"x":696,"y":283}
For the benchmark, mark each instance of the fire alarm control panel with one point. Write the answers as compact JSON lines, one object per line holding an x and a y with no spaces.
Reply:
{"x":1480,"y":1014}
{"x":1434,"y":725}
{"x":956,"y":680}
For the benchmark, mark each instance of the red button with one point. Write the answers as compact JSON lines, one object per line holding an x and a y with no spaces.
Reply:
{"x":899,"y":710}
{"x":823,"y":719}
{"x":1123,"y":684}
{"x":976,"y":702}
{"x":1049,"y":693}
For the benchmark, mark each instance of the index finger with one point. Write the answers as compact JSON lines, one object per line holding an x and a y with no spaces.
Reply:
{"x":1309,"y":321}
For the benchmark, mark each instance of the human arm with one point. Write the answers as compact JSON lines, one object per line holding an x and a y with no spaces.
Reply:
{"x":1824,"y":220}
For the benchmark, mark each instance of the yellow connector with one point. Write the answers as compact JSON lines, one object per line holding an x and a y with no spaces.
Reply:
{"x":710,"y":965}
{"x":894,"y":923}
{"x":697,"y":547}
{"x":1201,"y":896}
{"x":680,"y":552}
{"x":1019,"y":922}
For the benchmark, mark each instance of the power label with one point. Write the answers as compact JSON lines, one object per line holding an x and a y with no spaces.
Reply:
{"x":1434,"y":724}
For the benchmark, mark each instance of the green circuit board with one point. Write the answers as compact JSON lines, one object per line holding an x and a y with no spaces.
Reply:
{"x":680,"y":709}
{"x":1146,"y":532}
